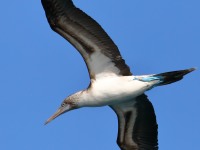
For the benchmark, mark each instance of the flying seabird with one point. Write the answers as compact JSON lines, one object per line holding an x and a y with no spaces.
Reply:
{"x":111,"y":81}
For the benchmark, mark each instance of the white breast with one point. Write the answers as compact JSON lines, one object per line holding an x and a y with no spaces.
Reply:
{"x":112,"y":90}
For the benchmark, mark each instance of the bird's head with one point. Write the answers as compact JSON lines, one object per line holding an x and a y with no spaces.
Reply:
{"x":68,"y":104}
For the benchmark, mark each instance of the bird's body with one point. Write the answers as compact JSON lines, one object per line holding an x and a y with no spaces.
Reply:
{"x":113,"y":90}
{"x":111,"y":81}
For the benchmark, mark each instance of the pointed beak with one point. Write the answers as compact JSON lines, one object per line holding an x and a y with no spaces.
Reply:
{"x":59,"y":112}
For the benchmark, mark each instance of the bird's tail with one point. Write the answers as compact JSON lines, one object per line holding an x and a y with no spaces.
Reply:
{"x":170,"y":77}
{"x":165,"y":78}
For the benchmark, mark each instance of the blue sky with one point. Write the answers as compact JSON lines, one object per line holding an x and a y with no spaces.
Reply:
{"x":39,"y":69}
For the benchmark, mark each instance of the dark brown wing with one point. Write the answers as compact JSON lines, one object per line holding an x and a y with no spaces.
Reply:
{"x":87,"y":36}
{"x":137,"y":126}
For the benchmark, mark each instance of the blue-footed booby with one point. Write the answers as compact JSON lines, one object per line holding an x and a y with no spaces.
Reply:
{"x":111,"y":81}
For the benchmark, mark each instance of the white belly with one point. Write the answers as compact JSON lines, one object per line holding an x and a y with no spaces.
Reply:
{"x":114,"y":90}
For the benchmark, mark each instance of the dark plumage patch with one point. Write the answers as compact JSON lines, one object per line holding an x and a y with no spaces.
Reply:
{"x":145,"y":132}
{"x":173,"y":76}
{"x":73,"y":24}
{"x":145,"y":128}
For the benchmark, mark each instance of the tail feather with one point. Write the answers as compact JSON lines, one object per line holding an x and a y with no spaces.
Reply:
{"x":173,"y":76}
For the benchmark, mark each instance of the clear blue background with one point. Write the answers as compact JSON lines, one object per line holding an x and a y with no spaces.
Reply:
{"x":38,"y":69}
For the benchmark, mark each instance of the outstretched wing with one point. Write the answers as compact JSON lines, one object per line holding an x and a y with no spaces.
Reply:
{"x":137,"y":126}
{"x":100,"y":53}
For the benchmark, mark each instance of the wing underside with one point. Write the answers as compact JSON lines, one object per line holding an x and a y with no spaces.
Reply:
{"x":137,"y":126}
{"x":100,"y":53}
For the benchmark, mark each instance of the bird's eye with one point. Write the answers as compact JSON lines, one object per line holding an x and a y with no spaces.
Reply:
{"x":63,"y":104}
